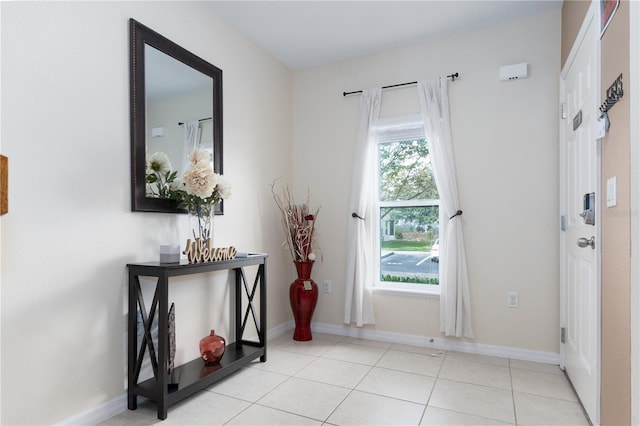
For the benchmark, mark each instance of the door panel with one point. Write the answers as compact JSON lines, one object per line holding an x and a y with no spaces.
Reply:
{"x":580,"y":175}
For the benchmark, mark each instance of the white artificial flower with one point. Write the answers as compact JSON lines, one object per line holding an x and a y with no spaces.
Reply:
{"x":223,"y":188}
{"x":200,"y":158}
{"x":199,"y":181}
{"x":311,"y":256}
{"x":159,"y":162}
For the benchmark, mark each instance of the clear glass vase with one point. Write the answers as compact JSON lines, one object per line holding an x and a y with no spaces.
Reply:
{"x":201,"y":223}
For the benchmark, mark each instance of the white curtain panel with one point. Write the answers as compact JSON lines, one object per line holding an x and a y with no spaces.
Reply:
{"x":358,"y":305}
{"x":455,"y":304}
{"x":191,"y":140}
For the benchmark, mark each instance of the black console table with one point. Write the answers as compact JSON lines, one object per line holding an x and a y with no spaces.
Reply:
{"x":194,"y":375}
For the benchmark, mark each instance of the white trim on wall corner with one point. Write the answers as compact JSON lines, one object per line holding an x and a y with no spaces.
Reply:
{"x":439,"y":343}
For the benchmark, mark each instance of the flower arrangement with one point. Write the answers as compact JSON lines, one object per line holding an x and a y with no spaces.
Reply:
{"x":298,"y":222}
{"x":199,"y":190}
{"x":159,"y":176}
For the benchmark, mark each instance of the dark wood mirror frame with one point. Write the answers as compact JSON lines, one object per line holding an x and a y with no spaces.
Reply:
{"x":140,"y":36}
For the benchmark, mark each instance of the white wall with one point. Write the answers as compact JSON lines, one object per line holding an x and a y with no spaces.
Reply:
{"x":506,"y":148}
{"x":70,"y":231}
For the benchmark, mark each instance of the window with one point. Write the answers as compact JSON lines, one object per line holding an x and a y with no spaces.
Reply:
{"x":407,"y":210}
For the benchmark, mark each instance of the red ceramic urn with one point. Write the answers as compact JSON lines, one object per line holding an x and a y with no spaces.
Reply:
{"x":212,"y":348}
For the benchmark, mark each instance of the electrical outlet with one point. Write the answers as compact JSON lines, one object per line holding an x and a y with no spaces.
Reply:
{"x":512,"y":299}
{"x":327,"y":286}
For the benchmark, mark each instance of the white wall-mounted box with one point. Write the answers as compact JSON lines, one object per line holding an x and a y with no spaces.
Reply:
{"x":513,"y":72}
{"x":157,"y":132}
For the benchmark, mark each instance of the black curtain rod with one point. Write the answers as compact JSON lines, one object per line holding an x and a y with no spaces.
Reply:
{"x":180,"y":123}
{"x":451,"y":76}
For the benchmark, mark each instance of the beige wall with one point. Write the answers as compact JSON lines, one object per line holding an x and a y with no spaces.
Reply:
{"x":616,"y":232}
{"x":615,"y":404}
{"x":506,"y":149}
{"x":70,"y":230}
{"x":634,"y":137}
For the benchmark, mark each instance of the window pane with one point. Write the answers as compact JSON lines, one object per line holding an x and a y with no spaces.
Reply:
{"x":404,"y":171}
{"x":409,"y":246}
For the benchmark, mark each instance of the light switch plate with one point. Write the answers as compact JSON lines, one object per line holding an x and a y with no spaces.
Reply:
{"x":600,"y":128}
{"x":612,"y":197}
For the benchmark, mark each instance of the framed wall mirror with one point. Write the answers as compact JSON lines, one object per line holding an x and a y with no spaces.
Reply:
{"x":176,"y":106}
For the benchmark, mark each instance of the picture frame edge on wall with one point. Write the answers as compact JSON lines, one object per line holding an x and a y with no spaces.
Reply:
{"x":608,"y":8}
{"x":4,"y":185}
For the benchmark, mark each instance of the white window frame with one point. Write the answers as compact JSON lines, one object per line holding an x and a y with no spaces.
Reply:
{"x":396,"y":129}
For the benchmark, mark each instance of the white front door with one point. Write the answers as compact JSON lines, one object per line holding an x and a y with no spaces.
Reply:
{"x":580,"y":176}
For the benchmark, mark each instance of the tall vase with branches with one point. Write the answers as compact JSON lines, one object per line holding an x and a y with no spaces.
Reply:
{"x":299,"y":225}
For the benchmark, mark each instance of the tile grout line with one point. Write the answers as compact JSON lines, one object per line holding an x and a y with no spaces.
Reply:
{"x":433,"y":388}
{"x":354,"y":388}
{"x":289,"y":377}
{"x":513,"y":395}
{"x":251,"y":403}
{"x":447,"y":353}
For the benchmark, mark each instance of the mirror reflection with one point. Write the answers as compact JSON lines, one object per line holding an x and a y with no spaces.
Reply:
{"x":179,"y":118}
{"x":176,"y":107}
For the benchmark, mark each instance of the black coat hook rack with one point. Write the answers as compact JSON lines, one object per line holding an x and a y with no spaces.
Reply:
{"x":614,"y":93}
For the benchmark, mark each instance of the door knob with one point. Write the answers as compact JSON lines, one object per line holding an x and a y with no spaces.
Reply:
{"x":583,"y":242}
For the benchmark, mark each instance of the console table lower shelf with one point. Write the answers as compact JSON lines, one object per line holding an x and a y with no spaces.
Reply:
{"x":193,"y":376}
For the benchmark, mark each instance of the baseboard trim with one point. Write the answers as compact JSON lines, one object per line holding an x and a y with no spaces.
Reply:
{"x":279,"y":330}
{"x":99,"y":414}
{"x":439,"y":343}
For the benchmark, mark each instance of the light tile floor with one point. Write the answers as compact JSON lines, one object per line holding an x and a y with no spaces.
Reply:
{"x":335,"y":380}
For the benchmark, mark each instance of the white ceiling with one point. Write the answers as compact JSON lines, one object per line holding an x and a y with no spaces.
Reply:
{"x":306,"y":33}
